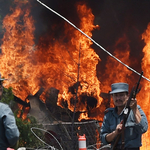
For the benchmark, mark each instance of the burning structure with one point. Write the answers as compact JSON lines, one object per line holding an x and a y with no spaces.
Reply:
{"x":65,"y":62}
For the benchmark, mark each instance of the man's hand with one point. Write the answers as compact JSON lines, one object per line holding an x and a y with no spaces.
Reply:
{"x":119,"y":128}
{"x":110,"y":137}
{"x":133,"y":106}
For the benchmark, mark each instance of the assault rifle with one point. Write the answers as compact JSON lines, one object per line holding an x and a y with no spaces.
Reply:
{"x":126,"y":112}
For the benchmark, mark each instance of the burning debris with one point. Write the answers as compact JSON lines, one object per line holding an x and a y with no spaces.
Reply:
{"x":53,"y":65}
{"x":52,"y":117}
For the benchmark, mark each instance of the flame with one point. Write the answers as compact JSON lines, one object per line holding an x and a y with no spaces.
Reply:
{"x":17,"y":47}
{"x":58,"y":64}
{"x":89,"y":84}
{"x":144,"y":95}
{"x":116,"y":72}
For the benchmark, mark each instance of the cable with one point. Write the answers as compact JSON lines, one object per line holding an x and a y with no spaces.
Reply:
{"x":92,"y":40}
{"x":98,"y":144}
{"x":108,"y":146}
{"x":43,"y":141}
{"x":91,"y":146}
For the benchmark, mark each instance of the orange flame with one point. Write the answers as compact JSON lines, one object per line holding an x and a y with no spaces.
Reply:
{"x":144,"y":95}
{"x":89,"y":84}
{"x":29,"y":67}
{"x":116,"y":72}
{"x":16,"y":52}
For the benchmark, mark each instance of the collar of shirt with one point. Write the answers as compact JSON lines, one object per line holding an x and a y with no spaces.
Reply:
{"x":115,"y":112}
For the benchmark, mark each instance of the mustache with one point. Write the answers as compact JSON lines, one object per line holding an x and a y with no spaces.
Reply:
{"x":119,"y":100}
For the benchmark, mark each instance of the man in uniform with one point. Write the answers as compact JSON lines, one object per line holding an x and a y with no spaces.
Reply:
{"x":9,"y":133}
{"x":112,"y":126}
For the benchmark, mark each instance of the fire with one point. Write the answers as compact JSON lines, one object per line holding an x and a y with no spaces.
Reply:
{"x":67,"y":65}
{"x":58,"y":64}
{"x":116,"y":72}
{"x":17,"y":47}
{"x":84,"y":56}
{"x":144,"y":95}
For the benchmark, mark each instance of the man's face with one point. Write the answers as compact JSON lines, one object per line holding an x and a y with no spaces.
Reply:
{"x":120,"y":99}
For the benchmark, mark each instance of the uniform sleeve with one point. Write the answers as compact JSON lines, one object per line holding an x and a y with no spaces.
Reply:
{"x":11,"y":129}
{"x":142,"y":127}
{"x":104,"y":130}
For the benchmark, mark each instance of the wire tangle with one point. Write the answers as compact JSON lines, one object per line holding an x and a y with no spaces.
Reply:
{"x":48,"y":146}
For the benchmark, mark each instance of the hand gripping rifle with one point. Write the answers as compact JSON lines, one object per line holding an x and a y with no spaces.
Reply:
{"x":126,"y":112}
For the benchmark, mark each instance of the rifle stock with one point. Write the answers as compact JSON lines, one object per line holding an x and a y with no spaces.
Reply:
{"x":127,"y":109}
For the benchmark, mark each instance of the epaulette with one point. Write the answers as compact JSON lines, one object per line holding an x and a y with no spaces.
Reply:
{"x":108,"y":109}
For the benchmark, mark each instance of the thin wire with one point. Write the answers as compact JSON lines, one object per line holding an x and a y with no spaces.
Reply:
{"x":43,"y":141}
{"x":94,"y":146}
{"x":92,"y":40}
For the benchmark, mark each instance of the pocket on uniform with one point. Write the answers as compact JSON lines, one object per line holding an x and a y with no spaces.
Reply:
{"x":130,"y":133}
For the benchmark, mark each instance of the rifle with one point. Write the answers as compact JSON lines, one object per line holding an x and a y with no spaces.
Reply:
{"x":126,"y":111}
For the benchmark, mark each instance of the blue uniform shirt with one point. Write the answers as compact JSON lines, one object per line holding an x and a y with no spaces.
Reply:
{"x":9,"y":133}
{"x":133,"y":131}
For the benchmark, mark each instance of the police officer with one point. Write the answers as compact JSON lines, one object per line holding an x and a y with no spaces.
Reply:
{"x":9,"y":133}
{"x":112,"y":126}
